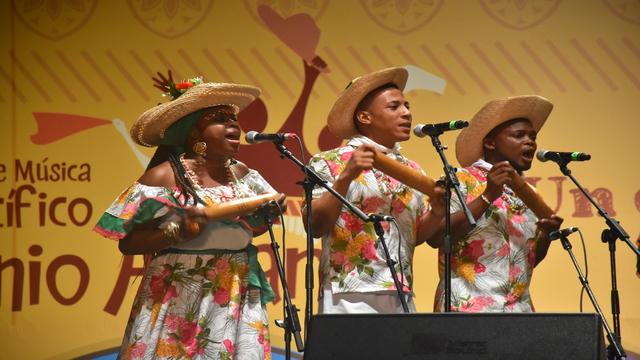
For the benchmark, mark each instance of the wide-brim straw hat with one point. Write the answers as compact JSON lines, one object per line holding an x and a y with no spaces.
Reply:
{"x":149,"y":129}
{"x":340,"y":119}
{"x":469,"y":144}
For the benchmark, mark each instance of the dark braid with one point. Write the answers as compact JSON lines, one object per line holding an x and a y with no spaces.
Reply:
{"x":183,"y":183}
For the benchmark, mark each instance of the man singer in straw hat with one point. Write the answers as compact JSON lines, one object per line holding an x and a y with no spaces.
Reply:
{"x":372,"y":114}
{"x":493,"y":263}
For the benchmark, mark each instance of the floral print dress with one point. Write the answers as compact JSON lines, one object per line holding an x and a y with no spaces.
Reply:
{"x":353,"y":259}
{"x":195,"y":301}
{"x":491,"y":266}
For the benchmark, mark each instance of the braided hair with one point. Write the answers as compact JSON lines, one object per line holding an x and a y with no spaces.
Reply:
{"x":172,"y":155}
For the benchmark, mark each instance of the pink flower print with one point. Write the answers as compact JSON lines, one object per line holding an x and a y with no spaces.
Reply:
{"x":511,"y":301}
{"x":221,"y":296}
{"x":188,"y":338}
{"x":170,"y":294}
{"x":479,"y":268}
{"x":346,"y":156}
{"x":138,"y":349}
{"x":504,"y":250}
{"x":478,"y":174}
{"x":348,"y":266}
{"x":333,"y":167}
{"x":129,"y":210}
{"x":222,"y":265}
{"x":352,"y":223}
{"x":369,"y":251}
{"x":159,"y":284}
{"x":372,"y":204}
{"x":514,"y":271}
{"x":500,"y":204}
{"x":473,"y":249}
{"x":173,"y":322}
{"x":211,"y":274}
{"x":234,"y":310}
{"x":477,"y":304}
{"x":397,"y":206}
{"x":393,"y":183}
{"x":517,"y":219}
{"x":338,"y":258}
{"x":228,"y":345}
{"x":512,"y":229}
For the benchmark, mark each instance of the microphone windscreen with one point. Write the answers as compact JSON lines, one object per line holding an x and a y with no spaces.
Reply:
{"x":250,"y":137}
{"x":540,"y":154}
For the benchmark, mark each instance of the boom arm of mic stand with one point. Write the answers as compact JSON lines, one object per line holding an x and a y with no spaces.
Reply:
{"x":613,"y":224}
{"x":311,"y":179}
{"x":317,"y":180}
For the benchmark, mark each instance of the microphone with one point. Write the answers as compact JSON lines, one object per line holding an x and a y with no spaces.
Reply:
{"x":557,"y":234}
{"x":254,"y":137}
{"x":561,"y":157}
{"x":436,"y":129}
{"x":379,"y":217}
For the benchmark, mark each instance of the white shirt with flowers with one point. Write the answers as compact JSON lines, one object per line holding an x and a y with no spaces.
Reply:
{"x":491,"y":266}
{"x":352,"y":258}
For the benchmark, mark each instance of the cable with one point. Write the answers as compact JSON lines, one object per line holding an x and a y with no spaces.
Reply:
{"x":586,"y":266}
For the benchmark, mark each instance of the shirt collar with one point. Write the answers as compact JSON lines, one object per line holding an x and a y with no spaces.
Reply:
{"x":361,"y":139}
{"x":482,"y":164}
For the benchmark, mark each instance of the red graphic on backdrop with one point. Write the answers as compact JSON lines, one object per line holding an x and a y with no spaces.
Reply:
{"x":401,"y":16}
{"x":583,"y":208}
{"x":170,"y":18}
{"x":300,"y":33}
{"x":519,"y":14}
{"x":628,"y":10}
{"x":55,"y":126}
{"x":287,"y":8}
{"x":54,"y":19}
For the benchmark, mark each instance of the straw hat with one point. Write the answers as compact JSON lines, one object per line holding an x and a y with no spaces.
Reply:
{"x":469,"y":146}
{"x":340,"y":120}
{"x":149,"y":129}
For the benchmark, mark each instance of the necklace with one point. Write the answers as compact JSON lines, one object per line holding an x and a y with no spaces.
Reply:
{"x":195,"y":181}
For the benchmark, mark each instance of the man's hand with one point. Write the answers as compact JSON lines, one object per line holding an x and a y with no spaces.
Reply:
{"x":361,"y":159}
{"x":499,"y":175}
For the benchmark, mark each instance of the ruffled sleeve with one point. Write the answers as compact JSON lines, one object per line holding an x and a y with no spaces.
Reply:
{"x":136,"y":204}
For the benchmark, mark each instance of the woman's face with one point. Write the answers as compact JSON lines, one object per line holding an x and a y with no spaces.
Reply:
{"x":219,"y":129}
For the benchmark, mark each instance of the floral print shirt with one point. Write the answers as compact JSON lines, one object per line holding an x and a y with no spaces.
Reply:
{"x":353,"y":258}
{"x":491,"y":266}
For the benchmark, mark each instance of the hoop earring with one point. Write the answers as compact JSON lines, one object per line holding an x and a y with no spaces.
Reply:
{"x":200,"y":148}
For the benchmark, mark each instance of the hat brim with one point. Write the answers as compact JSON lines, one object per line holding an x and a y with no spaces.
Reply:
{"x":340,"y":119}
{"x":149,"y":129}
{"x":469,"y":144}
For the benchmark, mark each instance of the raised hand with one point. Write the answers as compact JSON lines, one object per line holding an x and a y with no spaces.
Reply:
{"x":499,"y":175}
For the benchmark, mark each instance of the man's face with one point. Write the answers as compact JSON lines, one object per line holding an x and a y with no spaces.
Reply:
{"x":389,"y":117}
{"x":515,"y":143}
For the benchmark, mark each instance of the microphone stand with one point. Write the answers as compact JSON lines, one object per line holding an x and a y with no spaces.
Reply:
{"x":311,"y":179}
{"x":615,"y":349}
{"x":291,"y":323}
{"x":610,"y":235}
{"x":451,"y":182}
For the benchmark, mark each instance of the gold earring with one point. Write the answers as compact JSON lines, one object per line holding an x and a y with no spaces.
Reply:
{"x":200,"y":148}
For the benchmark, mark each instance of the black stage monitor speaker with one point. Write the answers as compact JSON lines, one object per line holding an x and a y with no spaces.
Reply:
{"x":448,"y":336}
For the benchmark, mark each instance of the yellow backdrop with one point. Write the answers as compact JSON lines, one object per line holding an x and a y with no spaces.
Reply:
{"x":74,"y":75}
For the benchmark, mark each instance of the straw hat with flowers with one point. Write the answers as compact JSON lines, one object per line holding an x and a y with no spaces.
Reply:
{"x":340,"y":120}
{"x":188,"y":97}
{"x":469,"y":144}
